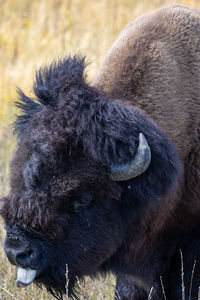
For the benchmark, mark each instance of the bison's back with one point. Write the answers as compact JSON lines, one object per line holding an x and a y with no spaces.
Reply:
{"x":155,"y":64}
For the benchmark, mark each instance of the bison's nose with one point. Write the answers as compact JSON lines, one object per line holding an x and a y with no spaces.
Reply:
{"x":18,"y":252}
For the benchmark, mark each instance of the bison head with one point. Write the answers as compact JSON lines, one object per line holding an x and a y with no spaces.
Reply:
{"x":85,"y":174}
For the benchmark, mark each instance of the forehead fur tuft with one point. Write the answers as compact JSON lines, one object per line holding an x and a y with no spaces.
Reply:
{"x":50,"y":83}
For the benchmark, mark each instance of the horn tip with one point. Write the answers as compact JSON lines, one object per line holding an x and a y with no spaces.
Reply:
{"x":142,"y":140}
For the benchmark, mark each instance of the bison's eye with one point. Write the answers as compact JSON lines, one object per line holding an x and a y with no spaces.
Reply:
{"x":86,"y":198}
{"x":83,"y":201}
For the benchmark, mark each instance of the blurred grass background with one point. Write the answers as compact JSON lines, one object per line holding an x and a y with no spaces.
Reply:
{"x":33,"y":33}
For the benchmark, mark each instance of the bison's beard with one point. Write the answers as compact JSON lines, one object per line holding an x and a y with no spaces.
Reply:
{"x":58,"y":284}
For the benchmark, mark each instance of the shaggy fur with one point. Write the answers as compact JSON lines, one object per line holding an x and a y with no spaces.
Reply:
{"x":62,"y":201}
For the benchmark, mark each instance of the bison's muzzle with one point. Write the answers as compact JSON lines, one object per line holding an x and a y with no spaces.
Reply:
{"x":26,"y":256}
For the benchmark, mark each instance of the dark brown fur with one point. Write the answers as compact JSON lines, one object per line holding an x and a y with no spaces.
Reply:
{"x":155,"y":64}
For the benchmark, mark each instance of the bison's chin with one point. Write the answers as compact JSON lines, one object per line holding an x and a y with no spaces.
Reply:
{"x":70,"y":289}
{"x":57,"y":283}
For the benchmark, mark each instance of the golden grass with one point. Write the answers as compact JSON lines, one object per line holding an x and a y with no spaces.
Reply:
{"x":33,"y":33}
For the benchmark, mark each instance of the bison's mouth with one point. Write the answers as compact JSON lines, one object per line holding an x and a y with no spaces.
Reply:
{"x":25,"y":276}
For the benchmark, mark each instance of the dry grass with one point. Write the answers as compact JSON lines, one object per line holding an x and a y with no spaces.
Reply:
{"x":32,"y":33}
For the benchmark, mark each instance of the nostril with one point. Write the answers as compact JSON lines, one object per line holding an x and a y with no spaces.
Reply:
{"x":24,"y":255}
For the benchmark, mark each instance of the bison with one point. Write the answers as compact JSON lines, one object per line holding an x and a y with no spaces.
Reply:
{"x":106,"y":176}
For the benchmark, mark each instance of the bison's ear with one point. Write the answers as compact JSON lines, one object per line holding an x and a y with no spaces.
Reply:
{"x":118,"y":135}
{"x":137,"y":166}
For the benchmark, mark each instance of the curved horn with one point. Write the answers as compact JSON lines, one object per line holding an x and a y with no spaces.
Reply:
{"x":135,"y":167}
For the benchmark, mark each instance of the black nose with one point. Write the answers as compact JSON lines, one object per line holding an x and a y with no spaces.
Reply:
{"x":19,"y":252}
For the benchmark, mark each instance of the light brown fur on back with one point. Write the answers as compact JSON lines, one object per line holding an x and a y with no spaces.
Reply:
{"x":155,"y":64}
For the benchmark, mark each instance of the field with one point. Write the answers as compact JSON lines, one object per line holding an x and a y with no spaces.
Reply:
{"x":32,"y":34}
